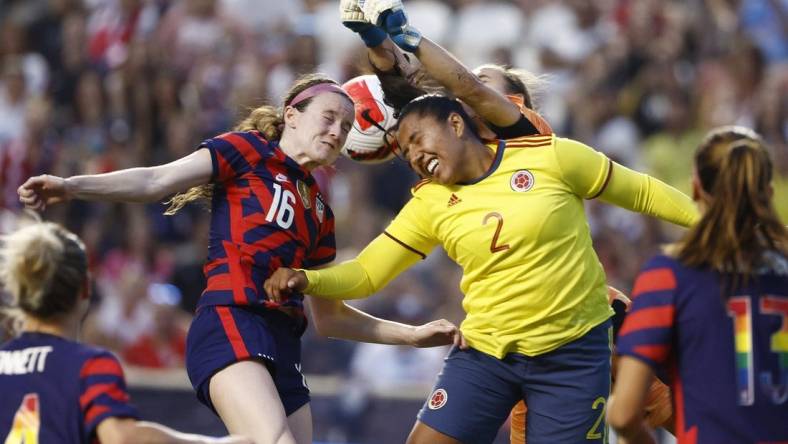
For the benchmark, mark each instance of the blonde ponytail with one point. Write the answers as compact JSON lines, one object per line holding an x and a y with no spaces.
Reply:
{"x":44,"y":268}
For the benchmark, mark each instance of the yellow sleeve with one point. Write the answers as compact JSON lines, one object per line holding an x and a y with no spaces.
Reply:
{"x":591,"y":174}
{"x":648,"y":195}
{"x":412,"y":226}
{"x":583,"y":169}
{"x":380,"y":262}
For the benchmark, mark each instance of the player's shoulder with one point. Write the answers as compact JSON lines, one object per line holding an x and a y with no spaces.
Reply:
{"x":660,"y":273}
{"x":242,"y":139}
{"x":531,"y":141}
{"x":93,"y":356}
{"x":664,"y":259}
{"x":418,"y":188}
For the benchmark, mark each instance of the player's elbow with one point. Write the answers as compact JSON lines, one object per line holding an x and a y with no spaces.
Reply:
{"x":117,"y":430}
{"x":158,"y":187}
{"x":325,"y":325}
{"x":327,"y":319}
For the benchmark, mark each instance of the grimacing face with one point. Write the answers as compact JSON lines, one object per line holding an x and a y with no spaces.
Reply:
{"x":323,"y":126}
{"x":428,"y":145}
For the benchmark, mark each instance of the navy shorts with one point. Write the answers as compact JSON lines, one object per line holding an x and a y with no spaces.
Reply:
{"x":223,"y":335}
{"x":565,"y":390}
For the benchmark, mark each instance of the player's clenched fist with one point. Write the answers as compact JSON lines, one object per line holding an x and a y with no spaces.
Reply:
{"x":435,"y":333}
{"x":284,"y":282}
{"x":39,"y":191}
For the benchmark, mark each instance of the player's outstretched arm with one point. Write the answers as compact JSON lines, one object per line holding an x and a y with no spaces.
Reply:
{"x":146,"y":184}
{"x":591,"y":175}
{"x":336,"y":319}
{"x":127,"y":431}
{"x":380,"y":262}
{"x":491,"y":105}
{"x":379,"y":18}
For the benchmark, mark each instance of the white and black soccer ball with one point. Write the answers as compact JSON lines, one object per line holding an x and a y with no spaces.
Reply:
{"x":365,"y":141}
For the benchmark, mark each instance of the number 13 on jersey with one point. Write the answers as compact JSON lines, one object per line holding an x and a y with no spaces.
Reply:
{"x":776,"y":389}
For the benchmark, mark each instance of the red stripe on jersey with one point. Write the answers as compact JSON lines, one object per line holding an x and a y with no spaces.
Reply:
{"x":256,"y":219}
{"x":532,"y":138}
{"x":518,"y":143}
{"x":237,"y":222}
{"x":683,"y":436}
{"x":420,"y":184}
{"x":219,"y":282}
{"x":272,"y":241}
{"x":237,"y":276}
{"x":231,"y":330}
{"x":225,"y":170}
{"x":110,"y":389}
{"x":213,"y":264}
{"x":94,"y":412}
{"x":322,"y":252}
{"x":656,"y":353}
{"x":652,"y":317}
{"x":101,"y":366}
{"x":527,"y":145}
{"x":658,"y":279}
{"x":245,"y":148}
{"x":528,"y":142}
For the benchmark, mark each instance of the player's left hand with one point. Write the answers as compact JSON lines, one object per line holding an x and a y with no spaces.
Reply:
{"x":390,"y":15}
{"x":435,"y":333}
{"x":284,"y":282}
{"x":396,"y":25}
{"x":614,"y":294}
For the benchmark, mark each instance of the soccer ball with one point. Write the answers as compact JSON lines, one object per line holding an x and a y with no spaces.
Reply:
{"x":365,"y":141}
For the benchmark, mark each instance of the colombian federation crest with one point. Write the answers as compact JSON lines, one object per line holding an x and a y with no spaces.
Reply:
{"x":438,"y":399}
{"x":522,"y":181}
{"x":303,"y":191}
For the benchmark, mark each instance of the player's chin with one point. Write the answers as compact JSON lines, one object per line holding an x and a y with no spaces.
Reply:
{"x":325,"y":156}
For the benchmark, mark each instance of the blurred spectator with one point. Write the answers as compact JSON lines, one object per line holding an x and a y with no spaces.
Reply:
{"x":164,"y":345}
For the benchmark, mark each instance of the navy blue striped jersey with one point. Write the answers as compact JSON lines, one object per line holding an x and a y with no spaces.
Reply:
{"x":58,"y":391}
{"x":267,"y":212}
{"x":726,"y":357}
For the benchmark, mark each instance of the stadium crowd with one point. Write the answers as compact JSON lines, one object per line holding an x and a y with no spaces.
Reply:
{"x":97,"y":85}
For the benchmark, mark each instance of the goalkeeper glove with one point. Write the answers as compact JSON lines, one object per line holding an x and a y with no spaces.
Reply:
{"x":395,"y":22}
{"x":390,"y":15}
{"x":353,"y":18}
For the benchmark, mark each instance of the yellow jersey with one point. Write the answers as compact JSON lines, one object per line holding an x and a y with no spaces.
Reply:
{"x":531,"y":279}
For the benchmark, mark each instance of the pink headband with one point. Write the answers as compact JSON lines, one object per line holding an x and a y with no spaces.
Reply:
{"x":314,"y":90}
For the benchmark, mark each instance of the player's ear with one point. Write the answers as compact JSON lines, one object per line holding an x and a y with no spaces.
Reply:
{"x":291,"y":116}
{"x":457,"y":124}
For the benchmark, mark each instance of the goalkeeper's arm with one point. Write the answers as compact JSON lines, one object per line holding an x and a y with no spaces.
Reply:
{"x":491,"y":105}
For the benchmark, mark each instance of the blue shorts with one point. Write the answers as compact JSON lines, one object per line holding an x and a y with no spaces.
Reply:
{"x":222,"y":335}
{"x":565,"y":390}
